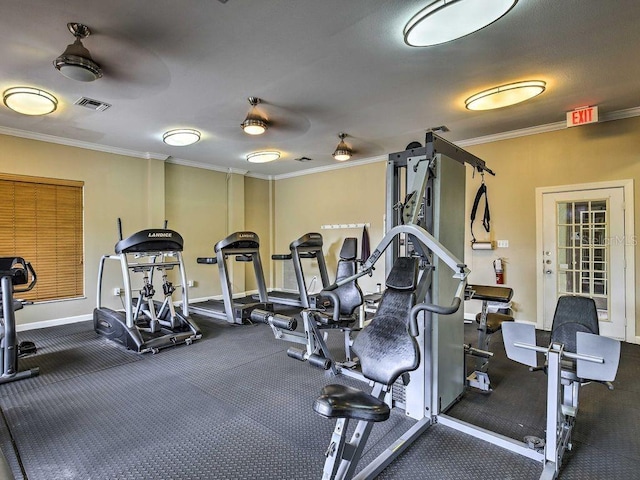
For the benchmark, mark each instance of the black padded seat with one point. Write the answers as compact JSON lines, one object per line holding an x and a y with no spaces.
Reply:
{"x":341,"y":401}
{"x":494,"y":321}
{"x":385,"y":347}
{"x":574,"y":314}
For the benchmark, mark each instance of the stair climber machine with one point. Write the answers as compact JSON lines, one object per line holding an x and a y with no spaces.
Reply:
{"x":16,"y":276}
{"x":342,"y":313}
{"x":244,"y":247}
{"x":308,"y":246}
{"x":146,"y":324}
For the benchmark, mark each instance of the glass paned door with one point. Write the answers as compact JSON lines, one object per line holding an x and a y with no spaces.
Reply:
{"x":583,"y":251}
{"x":583,"y":241}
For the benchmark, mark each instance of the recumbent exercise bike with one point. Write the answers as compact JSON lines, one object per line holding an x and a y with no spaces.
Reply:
{"x":16,"y":276}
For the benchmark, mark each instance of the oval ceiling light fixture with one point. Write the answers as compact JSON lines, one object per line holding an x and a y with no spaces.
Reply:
{"x":505,"y":95}
{"x":254,"y":124}
{"x":181,"y":137}
{"x":76,"y":62}
{"x":29,"y":101}
{"x":445,"y":20}
{"x":263,"y":156}
{"x":342,"y":152}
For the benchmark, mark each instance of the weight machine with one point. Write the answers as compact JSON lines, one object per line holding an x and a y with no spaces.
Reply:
{"x":427,"y":230}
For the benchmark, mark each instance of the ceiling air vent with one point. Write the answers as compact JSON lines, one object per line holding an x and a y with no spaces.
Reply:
{"x":92,"y":104}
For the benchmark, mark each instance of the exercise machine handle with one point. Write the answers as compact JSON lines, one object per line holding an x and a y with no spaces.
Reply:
{"x":438,"y":309}
{"x":34,"y":279}
{"x":331,"y":293}
{"x":281,"y":256}
{"x":207,"y":260}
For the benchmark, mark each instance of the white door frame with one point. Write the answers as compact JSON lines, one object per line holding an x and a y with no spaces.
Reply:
{"x":629,"y":249}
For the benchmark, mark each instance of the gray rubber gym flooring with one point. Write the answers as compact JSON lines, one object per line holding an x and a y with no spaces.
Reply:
{"x":234,"y":406}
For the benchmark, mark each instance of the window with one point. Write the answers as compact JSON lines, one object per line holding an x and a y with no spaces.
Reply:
{"x":41,"y":221}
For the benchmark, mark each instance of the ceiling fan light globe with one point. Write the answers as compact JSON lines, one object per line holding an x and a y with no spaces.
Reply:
{"x":254,"y":126}
{"x":76,"y":63}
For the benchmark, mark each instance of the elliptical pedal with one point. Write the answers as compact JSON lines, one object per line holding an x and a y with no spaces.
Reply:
{"x":26,"y":348}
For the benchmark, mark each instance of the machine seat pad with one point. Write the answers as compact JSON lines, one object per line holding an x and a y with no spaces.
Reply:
{"x":494,"y":321}
{"x":341,"y":401}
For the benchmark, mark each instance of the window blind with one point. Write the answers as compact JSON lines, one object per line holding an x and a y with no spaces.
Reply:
{"x":41,"y":221}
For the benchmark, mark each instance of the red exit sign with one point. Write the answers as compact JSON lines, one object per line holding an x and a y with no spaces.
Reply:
{"x":582,"y":116}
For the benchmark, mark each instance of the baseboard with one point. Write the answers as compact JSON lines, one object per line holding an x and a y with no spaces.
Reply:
{"x":217,"y":297}
{"x":53,"y":323}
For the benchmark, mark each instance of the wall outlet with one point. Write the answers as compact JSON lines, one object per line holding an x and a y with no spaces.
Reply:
{"x":191,"y":283}
{"x":117,"y":292}
{"x":503,"y":243}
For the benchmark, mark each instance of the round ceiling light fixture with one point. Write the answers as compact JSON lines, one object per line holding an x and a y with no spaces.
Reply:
{"x":29,"y":101}
{"x":254,"y":124}
{"x":76,"y":62}
{"x":505,"y":95}
{"x":263,"y":156}
{"x":342,"y":151}
{"x":181,"y":137}
{"x":445,"y":20}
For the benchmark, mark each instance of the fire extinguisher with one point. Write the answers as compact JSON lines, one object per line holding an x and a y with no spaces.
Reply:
{"x":499,"y":269}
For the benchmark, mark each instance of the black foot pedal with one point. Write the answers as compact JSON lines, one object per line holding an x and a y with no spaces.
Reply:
{"x":26,"y":348}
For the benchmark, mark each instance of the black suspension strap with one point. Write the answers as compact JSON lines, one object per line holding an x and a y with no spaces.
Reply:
{"x":486,"y":219}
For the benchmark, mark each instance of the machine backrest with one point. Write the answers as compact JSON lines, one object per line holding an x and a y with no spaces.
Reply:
{"x":573,"y":314}
{"x":385,"y":347}
{"x":350,"y":294}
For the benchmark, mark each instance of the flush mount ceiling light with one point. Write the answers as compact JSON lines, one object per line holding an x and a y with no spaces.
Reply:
{"x":263,"y":156}
{"x":445,"y":20}
{"x":181,"y":137}
{"x":76,"y":62}
{"x":342,"y":152}
{"x":505,"y":95}
{"x":29,"y":101}
{"x":254,"y":124}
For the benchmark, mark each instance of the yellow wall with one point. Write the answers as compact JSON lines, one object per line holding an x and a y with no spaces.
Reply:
{"x":114,"y":186}
{"x":349,"y":195}
{"x":593,"y":153}
{"x":258,"y":206}
{"x":203,"y":205}
{"x":196,"y":207}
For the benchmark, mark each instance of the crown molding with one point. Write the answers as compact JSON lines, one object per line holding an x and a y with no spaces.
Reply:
{"x":523,"y":132}
{"x":260,"y":176}
{"x":205,"y":166}
{"x":43,"y":137}
{"x":550,"y":127}
{"x":337,"y":166}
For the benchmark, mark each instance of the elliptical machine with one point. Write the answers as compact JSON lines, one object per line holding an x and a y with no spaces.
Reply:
{"x":14,"y":271}
{"x":147,"y":325}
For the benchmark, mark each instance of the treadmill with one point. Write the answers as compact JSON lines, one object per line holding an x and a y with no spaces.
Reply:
{"x":307,"y":246}
{"x":245,"y":247}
